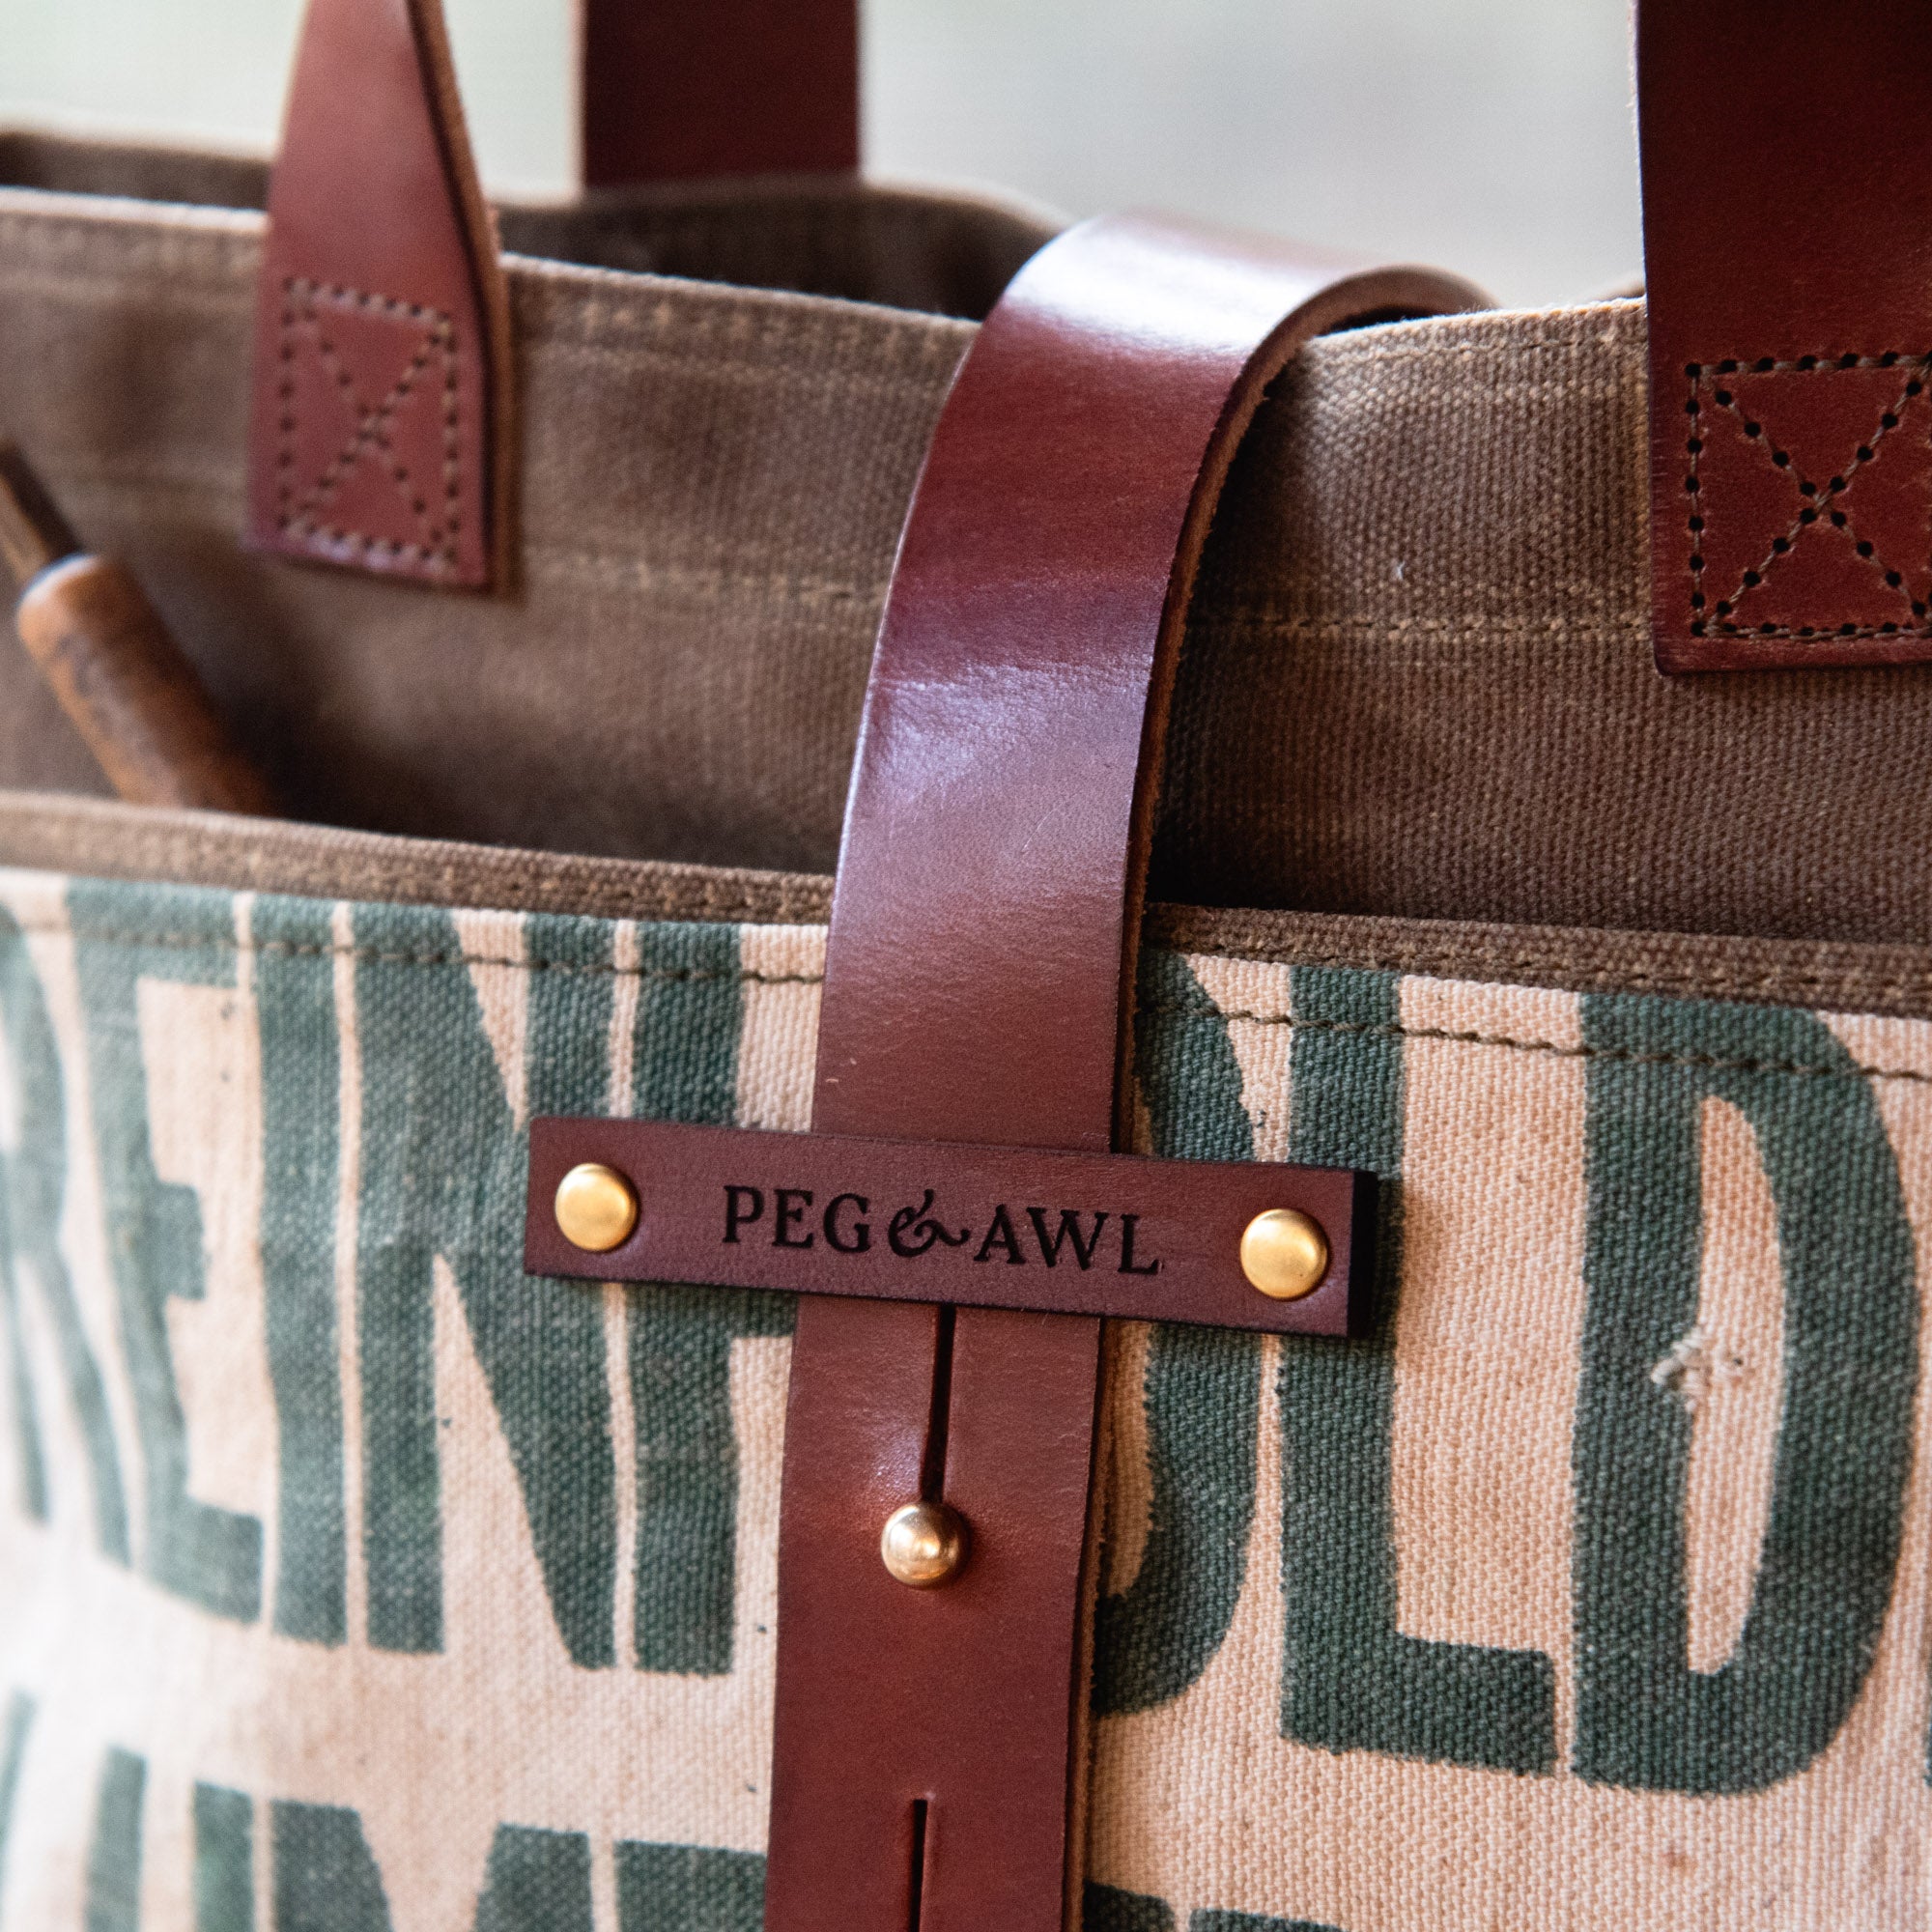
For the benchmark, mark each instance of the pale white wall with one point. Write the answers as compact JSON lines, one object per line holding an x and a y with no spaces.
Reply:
{"x":1492,"y":136}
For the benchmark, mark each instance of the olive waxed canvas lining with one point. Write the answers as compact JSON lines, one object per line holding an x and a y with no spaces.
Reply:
{"x":94,"y":839}
{"x":904,"y":248}
{"x":1417,"y":686}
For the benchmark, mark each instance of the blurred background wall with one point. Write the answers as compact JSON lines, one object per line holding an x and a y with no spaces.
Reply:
{"x":1492,"y":136}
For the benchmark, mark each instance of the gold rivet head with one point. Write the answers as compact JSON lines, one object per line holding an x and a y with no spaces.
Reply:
{"x":596,"y":1207}
{"x":924,"y":1544}
{"x":1284,"y":1254}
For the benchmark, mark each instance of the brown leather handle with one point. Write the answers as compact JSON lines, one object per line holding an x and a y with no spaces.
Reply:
{"x":382,"y":404}
{"x":982,"y":947}
{"x":1787,"y":195}
{"x":384,"y":412}
{"x":996,"y":838}
{"x":677,"y":88}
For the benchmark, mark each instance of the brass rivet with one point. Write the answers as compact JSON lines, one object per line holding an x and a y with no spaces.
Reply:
{"x":924,"y":1544}
{"x":1284,"y":1254}
{"x":596,"y":1207}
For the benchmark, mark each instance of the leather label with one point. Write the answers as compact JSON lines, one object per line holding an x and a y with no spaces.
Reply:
{"x":1111,"y":1235}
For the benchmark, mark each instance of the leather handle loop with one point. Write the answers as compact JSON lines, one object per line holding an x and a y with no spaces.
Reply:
{"x":1001,"y":810}
{"x":981,"y":959}
{"x":381,"y":403}
{"x":383,"y":414}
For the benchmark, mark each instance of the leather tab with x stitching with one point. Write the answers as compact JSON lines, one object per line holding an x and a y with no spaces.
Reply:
{"x":381,"y":348}
{"x":1787,"y":177}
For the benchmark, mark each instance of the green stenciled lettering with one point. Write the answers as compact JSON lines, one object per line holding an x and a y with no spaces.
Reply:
{"x":688,"y":1888}
{"x":114,"y":1856}
{"x":1107,"y":1908}
{"x":31,"y":1197}
{"x":13,"y":1736}
{"x":1644,"y":1718}
{"x":326,"y":1879}
{"x":443,"y":1174}
{"x":125,"y":934}
{"x":295,"y":1001}
{"x":1252,"y":1921}
{"x":1353,"y":1680}
{"x":538,"y":1882}
{"x":688,"y":1468}
{"x":690,"y":1007}
{"x":690,"y":1011}
{"x":33,"y":1133}
{"x":224,"y":1861}
{"x":1203,"y":1386}
{"x":31,"y":1474}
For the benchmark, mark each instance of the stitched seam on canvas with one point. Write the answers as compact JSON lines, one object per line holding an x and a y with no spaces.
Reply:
{"x":1610,"y":616}
{"x":1625,"y":1056}
{"x":634,"y":572}
{"x":184,"y":942}
{"x":1423,"y":963}
{"x":1353,"y":354}
{"x":889,"y":350}
{"x":918,"y":387}
{"x":615,"y":566}
{"x":164,"y":292}
{"x":35,"y":239}
{"x":1718,"y":1063}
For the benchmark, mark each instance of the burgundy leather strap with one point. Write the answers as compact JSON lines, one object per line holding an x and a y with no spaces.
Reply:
{"x":382,"y":363}
{"x":982,"y":939}
{"x":1787,"y":195}
{"x":674,"y":88}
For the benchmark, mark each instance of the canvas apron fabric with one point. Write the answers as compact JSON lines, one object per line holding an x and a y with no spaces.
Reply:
{"x":352,"y":1583}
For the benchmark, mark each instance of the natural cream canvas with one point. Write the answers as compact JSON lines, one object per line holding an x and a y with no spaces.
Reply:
{"x":350,"y":1582}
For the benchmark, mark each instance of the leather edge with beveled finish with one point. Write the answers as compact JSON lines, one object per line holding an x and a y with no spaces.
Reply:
{"x":381,"y":413}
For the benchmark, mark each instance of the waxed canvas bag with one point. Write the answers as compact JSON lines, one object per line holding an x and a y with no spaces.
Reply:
{"x":374,"y":1557}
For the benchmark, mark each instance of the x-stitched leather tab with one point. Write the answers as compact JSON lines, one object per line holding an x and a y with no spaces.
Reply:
{"x":1808,"y":495}
{"x":1787,"y":193}
{"x":381,"y":357}
{"x":376,"y":382}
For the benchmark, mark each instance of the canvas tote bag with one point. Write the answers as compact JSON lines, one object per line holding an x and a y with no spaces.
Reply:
{"x":1329,"y":1337}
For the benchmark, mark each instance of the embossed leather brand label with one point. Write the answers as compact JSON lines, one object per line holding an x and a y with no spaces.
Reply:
{"x":1019,"y":1236}
{"x":1115,"y":1235}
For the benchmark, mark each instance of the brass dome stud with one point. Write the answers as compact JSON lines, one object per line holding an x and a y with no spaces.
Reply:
{"x":924,"y":1544}
{"x":596,"y":1207}
{"x":1284,"y":1254}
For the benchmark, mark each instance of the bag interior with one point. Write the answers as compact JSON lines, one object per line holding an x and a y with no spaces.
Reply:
{"x":1417,"y":684}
